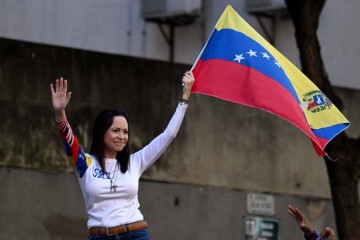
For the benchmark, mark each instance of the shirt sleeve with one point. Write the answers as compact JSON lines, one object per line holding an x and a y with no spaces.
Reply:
{"x":76,"y":156}
{"x":151,"y":152}
{"x":313,"y":236}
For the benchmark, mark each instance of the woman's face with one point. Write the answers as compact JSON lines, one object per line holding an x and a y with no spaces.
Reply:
{"x":116,"y":137}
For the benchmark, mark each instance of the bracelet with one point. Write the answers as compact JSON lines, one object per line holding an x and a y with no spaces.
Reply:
{"x":183,"y":101}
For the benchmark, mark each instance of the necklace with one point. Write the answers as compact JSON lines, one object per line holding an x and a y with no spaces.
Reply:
{"x":113,"y":185}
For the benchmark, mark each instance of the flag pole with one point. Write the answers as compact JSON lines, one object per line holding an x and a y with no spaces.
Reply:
{"x":202,"y":50}
{"x":197,"y":59}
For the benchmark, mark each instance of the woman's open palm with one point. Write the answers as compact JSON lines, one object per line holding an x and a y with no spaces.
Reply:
{"x":60,"y":96}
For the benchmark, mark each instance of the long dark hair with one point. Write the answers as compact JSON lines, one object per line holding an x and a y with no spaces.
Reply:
{"x":102,"y":123}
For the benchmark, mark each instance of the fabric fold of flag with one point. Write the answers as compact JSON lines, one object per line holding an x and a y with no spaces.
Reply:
{"x":238,"y":65}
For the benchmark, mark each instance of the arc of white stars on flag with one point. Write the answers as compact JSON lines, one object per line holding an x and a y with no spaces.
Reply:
{"x":251,"y":53}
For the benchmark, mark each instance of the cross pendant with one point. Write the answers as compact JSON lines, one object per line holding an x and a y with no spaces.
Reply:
{"x":113,"y":187}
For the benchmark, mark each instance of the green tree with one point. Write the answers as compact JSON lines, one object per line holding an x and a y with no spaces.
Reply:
{"x":344,"y":173}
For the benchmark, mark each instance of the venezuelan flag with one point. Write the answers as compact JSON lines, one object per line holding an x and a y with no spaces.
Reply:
{"x":238,"y":65}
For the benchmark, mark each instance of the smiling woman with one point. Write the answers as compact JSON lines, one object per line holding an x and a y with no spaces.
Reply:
{"x":109,"y":174}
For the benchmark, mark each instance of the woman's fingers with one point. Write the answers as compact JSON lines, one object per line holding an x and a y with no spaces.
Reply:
{"x":52,"y":88}
{"x":60,"y":86}
{"x":56,"y":85}
{"x":64,"y":86}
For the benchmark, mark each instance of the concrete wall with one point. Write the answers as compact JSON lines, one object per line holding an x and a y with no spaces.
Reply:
{"x":40,"y":206}
{"x":222,"y":151}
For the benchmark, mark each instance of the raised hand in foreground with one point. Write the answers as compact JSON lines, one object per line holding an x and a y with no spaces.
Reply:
{"x":326,"y":234}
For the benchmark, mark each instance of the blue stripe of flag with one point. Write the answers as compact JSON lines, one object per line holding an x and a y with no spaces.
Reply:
{"x":330,"y":132}
{"x":227,"y":43}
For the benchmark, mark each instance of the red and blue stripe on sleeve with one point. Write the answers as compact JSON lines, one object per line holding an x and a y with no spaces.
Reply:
{"x":77,"y":157}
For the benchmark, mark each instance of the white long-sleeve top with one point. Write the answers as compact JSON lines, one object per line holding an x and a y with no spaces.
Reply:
{"x":106,"y":207}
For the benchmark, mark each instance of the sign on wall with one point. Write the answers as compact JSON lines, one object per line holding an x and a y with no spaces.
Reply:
{"x":260,"y":228}
{"x":260,"y":204}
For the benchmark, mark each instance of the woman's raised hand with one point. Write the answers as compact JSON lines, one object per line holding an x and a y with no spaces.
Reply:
{"x":187,"y":81}
{"x":60,"y":98}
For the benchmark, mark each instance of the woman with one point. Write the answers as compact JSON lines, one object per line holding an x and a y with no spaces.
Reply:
{"x":109,"y":175}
